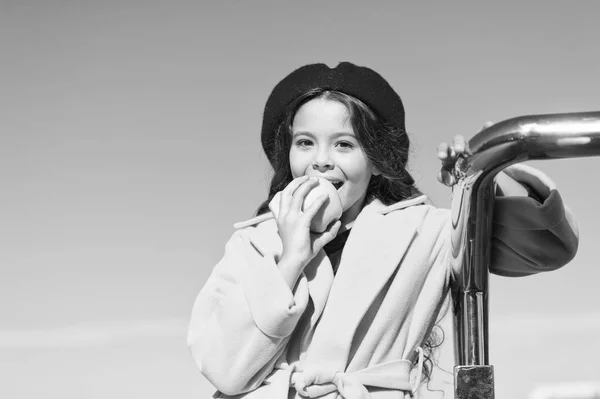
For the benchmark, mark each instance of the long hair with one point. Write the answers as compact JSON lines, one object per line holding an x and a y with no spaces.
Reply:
{"x":381,"y":143}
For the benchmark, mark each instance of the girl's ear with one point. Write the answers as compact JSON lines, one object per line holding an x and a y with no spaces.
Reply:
{"x":376,"y":172}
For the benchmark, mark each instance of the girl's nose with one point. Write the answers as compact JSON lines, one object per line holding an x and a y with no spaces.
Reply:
{"x":322,"y":161}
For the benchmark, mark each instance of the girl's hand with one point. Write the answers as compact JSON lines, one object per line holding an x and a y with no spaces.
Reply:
{"x":449,"y":154}
{"x":300,"y":245}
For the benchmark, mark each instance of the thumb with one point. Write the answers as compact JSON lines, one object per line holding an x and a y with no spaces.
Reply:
{"x":274,"y":204}
{"x":446,"y":177}
{"x":327,"y":235}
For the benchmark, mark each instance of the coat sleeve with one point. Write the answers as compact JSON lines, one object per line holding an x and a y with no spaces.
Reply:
{"x":243,"y":317}
{"x":532,"y":233}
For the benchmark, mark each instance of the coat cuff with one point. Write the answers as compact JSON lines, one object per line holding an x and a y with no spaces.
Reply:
{"x":542,"y":209}
{"x":526,"y":213}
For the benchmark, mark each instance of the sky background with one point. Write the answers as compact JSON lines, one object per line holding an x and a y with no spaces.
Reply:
{"x":129,"y":145}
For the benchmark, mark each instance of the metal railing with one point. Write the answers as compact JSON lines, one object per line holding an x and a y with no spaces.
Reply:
{"x":535,"y":137}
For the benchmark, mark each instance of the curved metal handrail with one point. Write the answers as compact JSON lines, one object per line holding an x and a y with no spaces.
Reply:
{"x":514,"y":140}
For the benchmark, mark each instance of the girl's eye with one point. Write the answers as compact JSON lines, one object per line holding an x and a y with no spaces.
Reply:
{"x":303,"y":143}
{"x":345,"y":144}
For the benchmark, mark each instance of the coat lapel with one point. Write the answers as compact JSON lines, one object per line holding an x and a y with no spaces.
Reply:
{"x":372,"y":253}
{"x":319,"y":273}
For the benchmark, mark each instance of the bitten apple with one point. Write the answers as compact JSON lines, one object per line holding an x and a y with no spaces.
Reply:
{"x":329,"y":212}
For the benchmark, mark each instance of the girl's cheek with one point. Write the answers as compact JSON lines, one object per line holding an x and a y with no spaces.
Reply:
{"x":299,"y":166}
{"x":296,"y":171}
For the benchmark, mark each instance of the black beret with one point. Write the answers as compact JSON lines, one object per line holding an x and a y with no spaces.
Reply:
{"x":360,"y":82}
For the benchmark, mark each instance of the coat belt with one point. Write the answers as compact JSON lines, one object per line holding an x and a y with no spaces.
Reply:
{"x":314,"y":382}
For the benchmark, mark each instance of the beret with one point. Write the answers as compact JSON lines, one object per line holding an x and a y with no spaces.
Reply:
{"x":360,"y":82}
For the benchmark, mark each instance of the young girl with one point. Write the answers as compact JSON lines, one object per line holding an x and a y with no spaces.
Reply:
{"x":288,"y":313}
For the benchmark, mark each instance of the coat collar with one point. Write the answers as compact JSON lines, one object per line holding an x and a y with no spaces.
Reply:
{"x":263,"y":228}
{"x":375,"y":205}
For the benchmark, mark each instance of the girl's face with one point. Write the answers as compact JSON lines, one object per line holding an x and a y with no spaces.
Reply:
{"x":324,"y":144}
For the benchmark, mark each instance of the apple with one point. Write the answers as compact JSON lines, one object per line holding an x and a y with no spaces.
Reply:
{"x":330,"y":211}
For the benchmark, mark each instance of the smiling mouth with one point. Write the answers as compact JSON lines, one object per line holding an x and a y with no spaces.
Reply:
{"x":337,"y":184}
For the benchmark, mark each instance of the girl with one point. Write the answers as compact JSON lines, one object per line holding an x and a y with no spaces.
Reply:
{"x":288,"y":313}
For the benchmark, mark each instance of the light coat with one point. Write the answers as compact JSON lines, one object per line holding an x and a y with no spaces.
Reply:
{"x":357,"y":335}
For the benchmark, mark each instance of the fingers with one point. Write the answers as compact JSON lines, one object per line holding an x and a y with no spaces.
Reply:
{"x":288,"y":192}
{"x":459,"y":144}
{"x":312,"y":210}
{"x":446,"y":153}
{"x":442,"y":151}
{"x":300,"y":194}
{"x":449,"y":153}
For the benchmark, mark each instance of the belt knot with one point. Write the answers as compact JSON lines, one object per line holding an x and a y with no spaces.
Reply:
{"x":314,"y":382}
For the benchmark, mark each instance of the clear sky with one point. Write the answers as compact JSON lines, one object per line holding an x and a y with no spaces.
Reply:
{"x":129,"y":145}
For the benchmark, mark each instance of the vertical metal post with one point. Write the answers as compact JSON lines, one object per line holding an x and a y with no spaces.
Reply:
{"x":473,"y":376}
{"x":514,"y":140}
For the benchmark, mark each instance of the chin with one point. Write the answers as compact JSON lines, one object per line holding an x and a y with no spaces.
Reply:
{"x":347,"y":204}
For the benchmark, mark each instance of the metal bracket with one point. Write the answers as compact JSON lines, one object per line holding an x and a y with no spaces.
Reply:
{"x":474,"y":382}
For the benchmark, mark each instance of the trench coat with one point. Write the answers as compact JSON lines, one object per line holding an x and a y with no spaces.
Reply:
{"x":357,"y":334}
